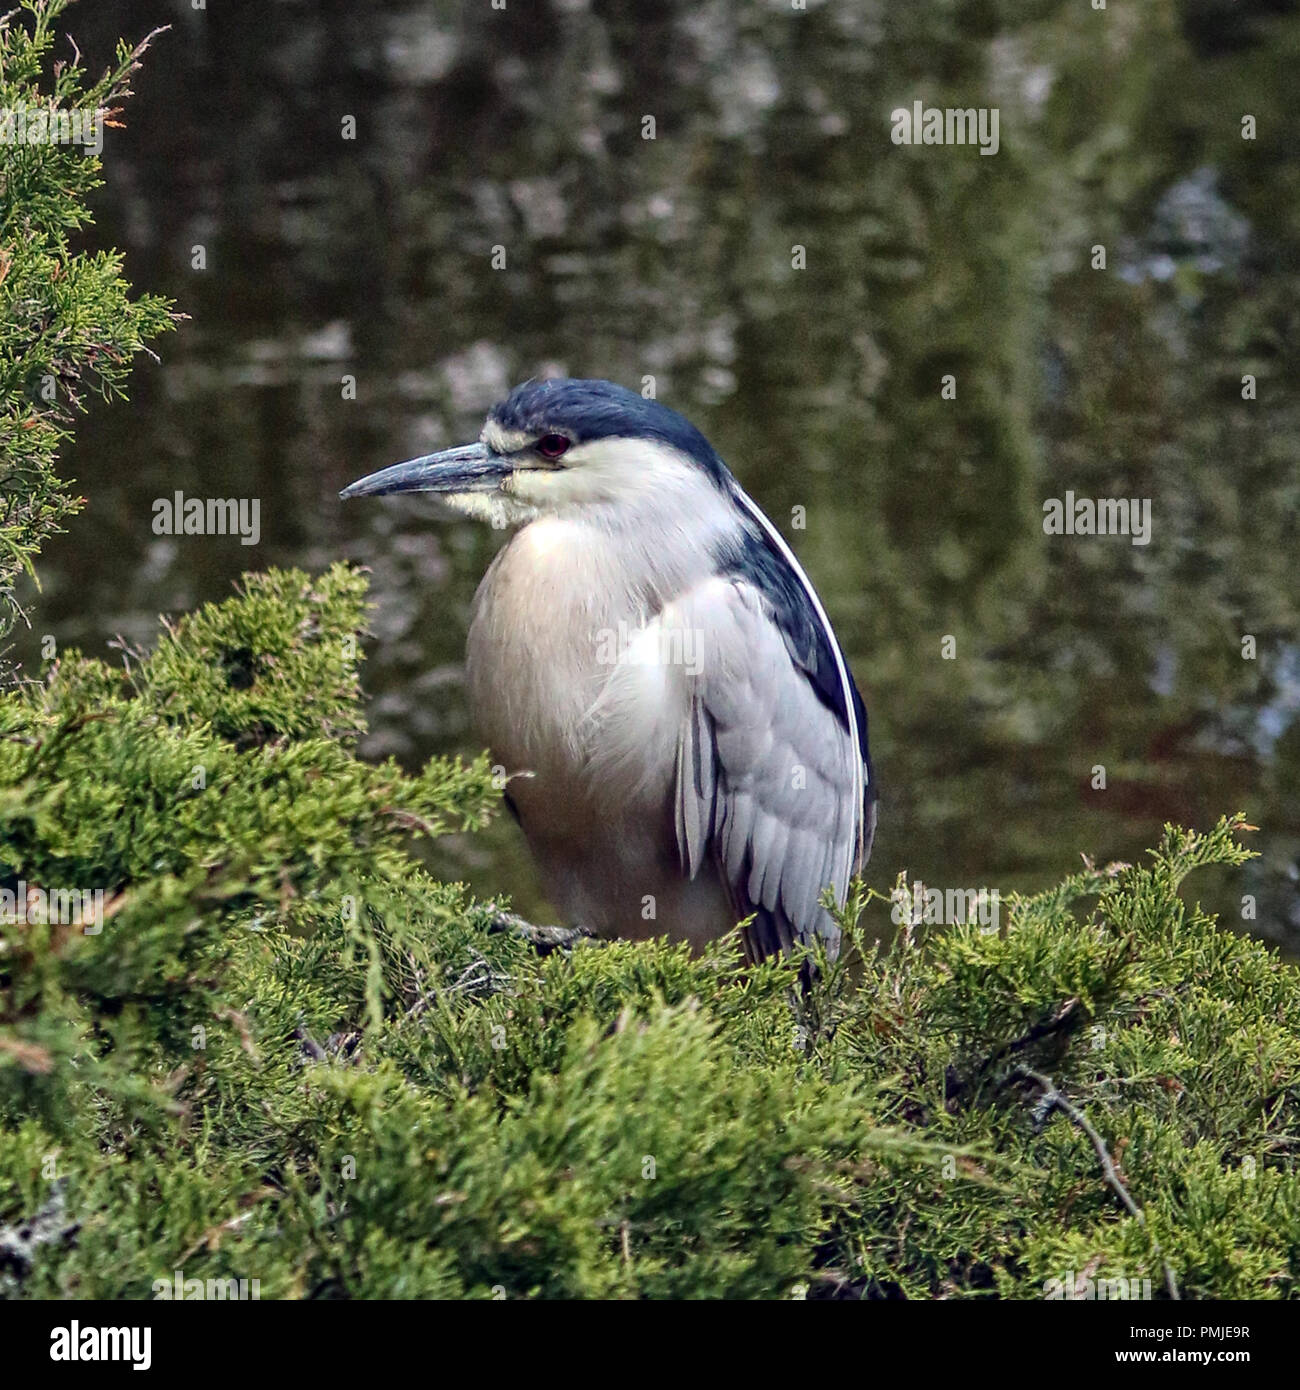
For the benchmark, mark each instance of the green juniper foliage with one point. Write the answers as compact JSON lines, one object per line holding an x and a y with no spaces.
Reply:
{"x":289,"y":1055}
{"x":67,"y":328}
{"x":270,"y":1046}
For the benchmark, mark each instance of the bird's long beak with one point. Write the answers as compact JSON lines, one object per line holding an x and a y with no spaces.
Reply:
{"x":469,"y":468}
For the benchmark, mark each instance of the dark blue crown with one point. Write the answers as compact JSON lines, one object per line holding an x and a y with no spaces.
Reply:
{"x":601,"y":410}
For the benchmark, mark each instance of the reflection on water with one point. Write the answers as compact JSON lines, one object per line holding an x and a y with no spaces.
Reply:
{"x":371,"y":259}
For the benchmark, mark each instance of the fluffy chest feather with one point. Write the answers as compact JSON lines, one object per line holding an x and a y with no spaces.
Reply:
{"x":550,"y":619}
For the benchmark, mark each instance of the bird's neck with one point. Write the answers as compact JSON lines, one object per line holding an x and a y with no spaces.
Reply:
{"x":559,"y":603}
{"x":632,"y":555}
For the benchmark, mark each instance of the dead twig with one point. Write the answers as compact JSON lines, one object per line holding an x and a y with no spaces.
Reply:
{"x":1052,"y":1099}
{"x":543,"y":939}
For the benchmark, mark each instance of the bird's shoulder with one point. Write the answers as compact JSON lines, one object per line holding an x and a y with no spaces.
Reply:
{"x":752,"y":558}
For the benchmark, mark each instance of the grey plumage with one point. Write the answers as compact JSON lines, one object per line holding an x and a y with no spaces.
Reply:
{"x":647,"y":653}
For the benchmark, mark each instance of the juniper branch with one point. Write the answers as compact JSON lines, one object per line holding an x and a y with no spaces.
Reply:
{"x":1054,"y":1100}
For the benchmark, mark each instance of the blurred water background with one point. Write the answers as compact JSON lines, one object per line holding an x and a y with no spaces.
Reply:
{"x":672,"y":258}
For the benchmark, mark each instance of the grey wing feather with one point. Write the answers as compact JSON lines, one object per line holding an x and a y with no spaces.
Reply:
{"x":696,"y":788}
{"x":765,"y":774}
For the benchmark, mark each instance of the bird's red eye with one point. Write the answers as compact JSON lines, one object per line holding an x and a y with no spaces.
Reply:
{"x":551,"y":446}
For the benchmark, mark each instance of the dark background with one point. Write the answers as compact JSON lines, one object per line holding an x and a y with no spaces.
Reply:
{"x":671,"y":258}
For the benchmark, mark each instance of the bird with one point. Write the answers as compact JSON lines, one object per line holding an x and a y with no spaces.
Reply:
{"x":682,"y":739}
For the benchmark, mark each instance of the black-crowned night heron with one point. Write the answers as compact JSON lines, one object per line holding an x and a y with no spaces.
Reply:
{"x":650,"y":651}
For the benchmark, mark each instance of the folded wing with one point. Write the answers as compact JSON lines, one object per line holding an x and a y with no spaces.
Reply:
{"x":771,"y":774}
